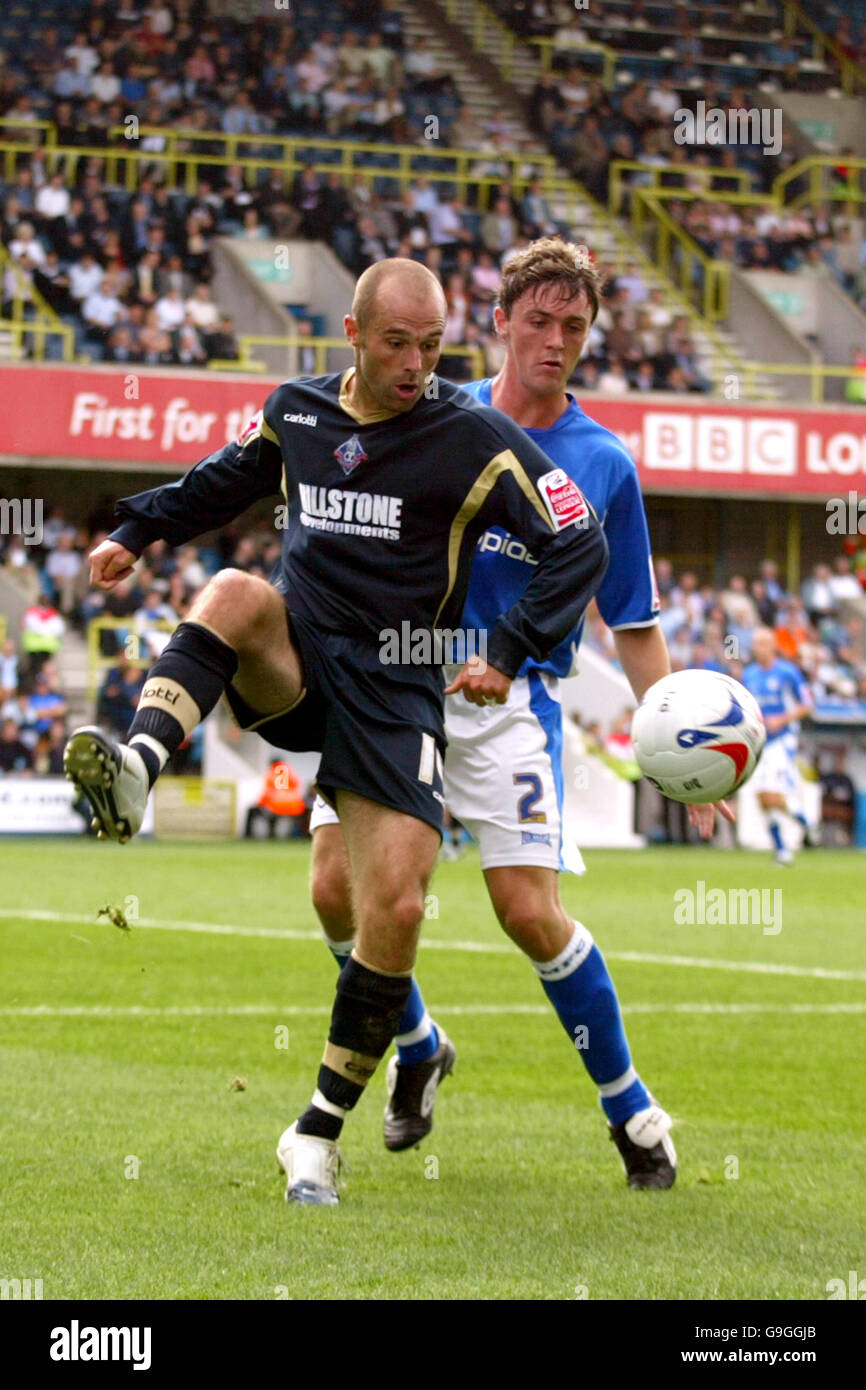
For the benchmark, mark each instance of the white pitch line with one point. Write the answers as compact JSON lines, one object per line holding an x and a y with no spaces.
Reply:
{"x":749,"y":967}
{"x":110,"y":1011}
{"x":752,"y":967}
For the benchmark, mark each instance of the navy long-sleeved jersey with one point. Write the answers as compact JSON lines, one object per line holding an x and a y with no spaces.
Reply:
{"x":384,"y":512}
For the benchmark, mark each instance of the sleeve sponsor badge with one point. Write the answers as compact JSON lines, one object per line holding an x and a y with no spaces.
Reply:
{"x":563,"y":499}
{"x":250,"y":430}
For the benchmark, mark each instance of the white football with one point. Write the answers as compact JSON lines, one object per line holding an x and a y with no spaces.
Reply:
{"x":698,"y":735}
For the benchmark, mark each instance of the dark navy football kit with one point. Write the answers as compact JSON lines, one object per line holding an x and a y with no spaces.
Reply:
{"x":381,"y":515}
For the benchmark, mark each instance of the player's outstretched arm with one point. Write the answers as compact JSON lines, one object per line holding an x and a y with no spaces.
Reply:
{"x":570,"y":566}
{"x":110,"y":563}
{"x":209,"y":496}
{"x":540,"y":505}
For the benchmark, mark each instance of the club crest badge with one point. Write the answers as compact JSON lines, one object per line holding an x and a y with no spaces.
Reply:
{"x":350,"y":453}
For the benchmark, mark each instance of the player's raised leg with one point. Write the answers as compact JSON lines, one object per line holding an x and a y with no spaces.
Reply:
{"x":577,"y":982}
{"x":391,"y":857}
{"x":425,"y":1056}
{"x":237,"y":632}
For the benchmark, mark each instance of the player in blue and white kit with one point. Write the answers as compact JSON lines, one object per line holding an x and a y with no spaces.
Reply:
{"x":503,"y":768}
{"x":781,"y":690}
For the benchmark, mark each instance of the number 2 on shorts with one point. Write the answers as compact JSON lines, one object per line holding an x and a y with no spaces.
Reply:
{"x":525,"y":812}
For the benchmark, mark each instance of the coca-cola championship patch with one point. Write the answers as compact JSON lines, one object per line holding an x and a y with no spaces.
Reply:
{"x":251,"y":429}
{"x":563,"y":498}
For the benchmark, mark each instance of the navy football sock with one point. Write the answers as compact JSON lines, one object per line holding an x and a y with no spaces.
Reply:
{"x":417,"y":1039}
{"x":367,"y":1011}
{"x":182,"y":687}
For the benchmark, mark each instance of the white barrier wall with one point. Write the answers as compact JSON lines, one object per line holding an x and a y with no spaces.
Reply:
{"x":752,"y":830}
{"x":43,"y":806}
{"x":598,"y":805}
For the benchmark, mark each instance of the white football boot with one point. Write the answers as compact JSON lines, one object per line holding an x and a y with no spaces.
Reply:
{"x":312,"y":1166}
{"x":114,"y":779}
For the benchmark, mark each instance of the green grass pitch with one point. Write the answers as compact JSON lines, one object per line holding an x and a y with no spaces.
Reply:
{"x":131,"y":1168}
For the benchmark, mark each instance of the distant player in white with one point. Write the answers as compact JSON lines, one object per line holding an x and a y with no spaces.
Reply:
{"x":781,"y":690}
{"x":503,"y":767}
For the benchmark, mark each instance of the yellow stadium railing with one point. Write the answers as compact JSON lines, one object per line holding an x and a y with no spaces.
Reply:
{"x":852,"y":75}
{"x":22,"y":330}
{"x":828,"y":178}
{"x":619,"y":187}
{"x":98,"y":662}
{"x":824,"y":181}
{"x":44,"y":323}
{"x":48,"y":128}
{"x":295,"y":150}
{"x":609,"y":57}
{"x":247,"y":342}
{"x":120,"y":167}
{"x":491,"y":36}
{"x":487,"y":28}
{"x":704,"y":279}
{"x":701,"y":279}
{"x":575,"y":197}
{"x":816,"y":373}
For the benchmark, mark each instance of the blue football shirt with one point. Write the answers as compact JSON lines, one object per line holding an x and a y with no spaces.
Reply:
{"x":777,"y":689}
{"x":605,"y":473}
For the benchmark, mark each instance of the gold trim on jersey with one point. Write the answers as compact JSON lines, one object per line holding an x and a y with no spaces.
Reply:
{"x":505,"y":462}
{"x":277,"y":714}
{"x":345,"y":404}
{"x":262,"y":430}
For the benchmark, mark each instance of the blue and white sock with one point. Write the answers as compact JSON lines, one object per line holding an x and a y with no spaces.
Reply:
{"x":578,"y":984}
{"x":774,"y":823}
{"x":417,"y":1039}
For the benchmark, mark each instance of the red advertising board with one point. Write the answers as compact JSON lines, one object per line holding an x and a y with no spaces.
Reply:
{"x":119,"y":416}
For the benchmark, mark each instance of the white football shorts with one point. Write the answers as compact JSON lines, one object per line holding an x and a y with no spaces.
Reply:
{"x":777,"y":771}
{"x":503,"y":777}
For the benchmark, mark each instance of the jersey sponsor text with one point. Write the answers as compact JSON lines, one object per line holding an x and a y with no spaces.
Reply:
{"x":350,"y":513}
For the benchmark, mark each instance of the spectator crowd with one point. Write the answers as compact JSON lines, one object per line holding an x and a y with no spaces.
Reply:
{"x":822,"y":628}
{"x":131,"y":269}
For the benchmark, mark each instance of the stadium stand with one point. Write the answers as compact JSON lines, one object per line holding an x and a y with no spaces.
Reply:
{"x":127,"y":269}
{"x":137,"y":139}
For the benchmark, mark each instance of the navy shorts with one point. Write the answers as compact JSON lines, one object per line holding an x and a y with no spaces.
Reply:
{"x":379,"y":728}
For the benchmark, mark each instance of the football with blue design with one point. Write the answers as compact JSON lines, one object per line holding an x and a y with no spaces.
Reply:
{"x":698,"y":735}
